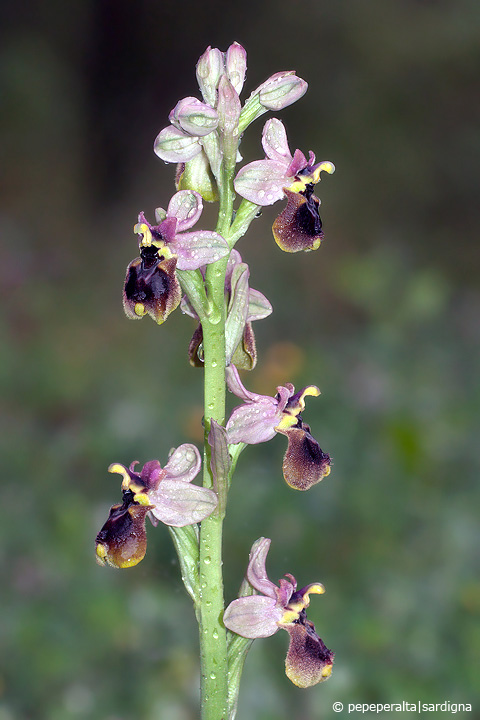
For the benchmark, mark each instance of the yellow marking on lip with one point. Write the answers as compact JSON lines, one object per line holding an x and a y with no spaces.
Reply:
{"x":101,"y":551}
{"x":140,"y":497}
{"x":299,"y":185}
{"x":326,"y":672}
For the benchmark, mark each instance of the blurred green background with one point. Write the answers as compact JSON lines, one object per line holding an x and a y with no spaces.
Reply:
{"x":384,"y":318}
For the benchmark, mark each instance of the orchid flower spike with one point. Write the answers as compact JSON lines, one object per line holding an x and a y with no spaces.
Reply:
{"x":261,"y":416}
{"x":151,"y":285}
{"x":308,"y":660}
{"x":163,"y":494}
{"x":282,"y":174}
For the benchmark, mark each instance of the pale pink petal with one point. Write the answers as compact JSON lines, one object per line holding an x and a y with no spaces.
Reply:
{"x":178,"y":503}
{"x":258,"y":306}
{"x":253,"y":423}
{"x":184,"y":463}
{"x":236,"y":386}
{"x":186,"y":206}
{"x":275,"y":143}
{"x":254,"y":616}
{"x":257,"y":572}
{"x":299,"y":162}
{"x":262,"y":181}
{"x":198,"y":248}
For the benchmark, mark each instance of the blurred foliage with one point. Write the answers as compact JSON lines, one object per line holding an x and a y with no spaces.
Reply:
{"x":384,"y":318}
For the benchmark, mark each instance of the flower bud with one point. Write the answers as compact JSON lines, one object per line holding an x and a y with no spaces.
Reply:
{"x":196,"y":175}
{"x":173,"y":145}
{"x":236,"y":65}
{"x":194,"y":117}
{"x":209,"y":68}
{"x":281,"y":90}
{"x":229,"y":106}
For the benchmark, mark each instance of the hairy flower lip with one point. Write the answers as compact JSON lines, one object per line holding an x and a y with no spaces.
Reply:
{"x":299,"y":226}
{"x":151,"y":286}
{"x":122,"y":541}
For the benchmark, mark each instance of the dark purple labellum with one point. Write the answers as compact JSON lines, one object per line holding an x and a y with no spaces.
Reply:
{"x":308,"y":217}
{"x":305,"y":463}
{"x":151,"y":286}
{"x":122,"y":541}
{"x":308,"y":660}
{"x":299,"y":227}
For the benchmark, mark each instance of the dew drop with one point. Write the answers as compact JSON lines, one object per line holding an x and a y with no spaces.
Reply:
{"x":215,"y":635}
{"x":207,"y":560}
{"x":213,"y":676}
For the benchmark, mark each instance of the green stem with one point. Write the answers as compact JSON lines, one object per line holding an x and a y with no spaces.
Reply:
{"x":213,"y":637}
{"x":213,"y":642}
